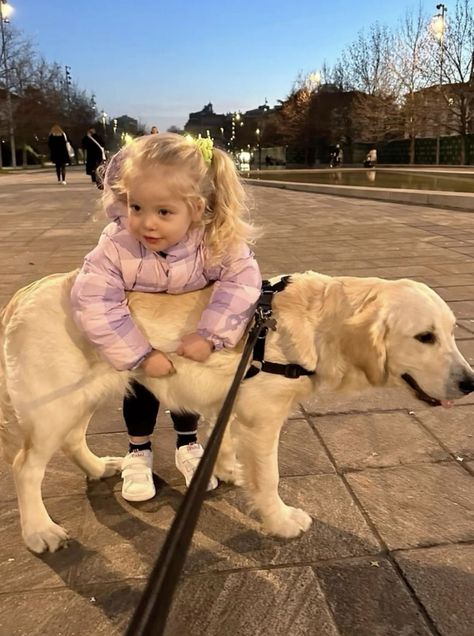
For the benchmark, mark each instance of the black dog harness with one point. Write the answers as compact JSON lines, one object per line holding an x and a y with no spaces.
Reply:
{"x":264,"y":312}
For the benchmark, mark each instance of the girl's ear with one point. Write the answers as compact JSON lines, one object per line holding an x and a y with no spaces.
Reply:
{"x":197,"y":209}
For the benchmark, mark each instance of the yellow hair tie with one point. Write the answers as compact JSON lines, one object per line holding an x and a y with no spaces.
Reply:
{"x":205,"y":145}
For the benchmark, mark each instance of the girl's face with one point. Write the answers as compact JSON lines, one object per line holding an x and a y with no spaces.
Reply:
{"x":158,"y":217}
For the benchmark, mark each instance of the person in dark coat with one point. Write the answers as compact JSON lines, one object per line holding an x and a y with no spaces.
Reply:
{"x":59,"y":153}
{"x":94,"y":148}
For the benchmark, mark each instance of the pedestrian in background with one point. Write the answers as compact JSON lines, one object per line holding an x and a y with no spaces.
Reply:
{"x":371,"y":158}
{"x":154,"y":130}
{"x":93,"y":146}
{"x":57,"y":142}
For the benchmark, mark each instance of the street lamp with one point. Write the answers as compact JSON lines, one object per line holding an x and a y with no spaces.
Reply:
{"x":438,"y":28}
{"x":103,"y":119}
{"x":313,"y":81}
{"x":6,"y":11}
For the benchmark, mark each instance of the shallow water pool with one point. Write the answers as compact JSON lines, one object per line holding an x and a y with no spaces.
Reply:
{"x":377,"y":178}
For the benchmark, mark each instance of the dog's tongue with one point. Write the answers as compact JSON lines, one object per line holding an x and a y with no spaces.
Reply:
{"x":447,"y":403}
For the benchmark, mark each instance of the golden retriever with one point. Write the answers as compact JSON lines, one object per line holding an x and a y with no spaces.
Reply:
{"x":355,"y":332}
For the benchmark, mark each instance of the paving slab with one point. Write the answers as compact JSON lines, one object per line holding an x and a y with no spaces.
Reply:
{"x":418,"y":505}
{"x":103,"y":610}
{"x":377,"y":440}
{"x":278,"y":602}
{"x":453,"y":427}
{"x":443,"y":579}
{"x":367,"y":597}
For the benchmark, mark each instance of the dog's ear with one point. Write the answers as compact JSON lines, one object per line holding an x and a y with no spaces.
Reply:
{"x":363,"y":341}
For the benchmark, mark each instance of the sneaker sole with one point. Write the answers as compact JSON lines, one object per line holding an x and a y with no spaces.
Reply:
{"x":130,"y":497}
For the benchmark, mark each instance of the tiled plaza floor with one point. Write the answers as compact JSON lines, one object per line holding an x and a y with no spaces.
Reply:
{"x":388,"y":481}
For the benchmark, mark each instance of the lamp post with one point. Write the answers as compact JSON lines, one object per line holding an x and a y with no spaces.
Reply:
{"x":235,"y":119}
{"x":5,"y":12}
{"x":438,"y":28}
{"x":67,"y":83}
{"x":259,"y":148}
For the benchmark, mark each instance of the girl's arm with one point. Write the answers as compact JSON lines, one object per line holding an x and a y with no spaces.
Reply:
{"x":233,"y":300}
{"x":100,"y":309}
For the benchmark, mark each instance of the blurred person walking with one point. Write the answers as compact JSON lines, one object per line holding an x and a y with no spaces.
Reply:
{"x":58,"y":148}
{"x":93,"y":146}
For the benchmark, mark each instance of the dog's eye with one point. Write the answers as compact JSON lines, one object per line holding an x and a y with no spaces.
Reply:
{"x":427,"y":337}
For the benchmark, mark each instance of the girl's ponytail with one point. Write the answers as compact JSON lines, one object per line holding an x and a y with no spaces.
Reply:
{"x":227,"y":212}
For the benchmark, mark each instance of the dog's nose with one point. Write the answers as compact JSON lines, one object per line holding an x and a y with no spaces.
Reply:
{"x":466,"y":385}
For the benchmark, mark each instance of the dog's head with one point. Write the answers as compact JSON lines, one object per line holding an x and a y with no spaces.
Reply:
{"x":403,"y":332}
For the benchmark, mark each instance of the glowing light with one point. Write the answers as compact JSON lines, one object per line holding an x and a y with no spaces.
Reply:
{"x":438,"y":26}
{"x":7,"y":10}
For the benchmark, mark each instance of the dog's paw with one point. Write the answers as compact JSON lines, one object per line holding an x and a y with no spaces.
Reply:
{"x":107,"y":467}
{"x":50,"y":538}
{"x":289,"y":523}
{"x":113,"y":465}
{"x":229,"y":472}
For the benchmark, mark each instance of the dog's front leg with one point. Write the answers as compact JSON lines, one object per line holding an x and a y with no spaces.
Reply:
{"x":227,"y":467}
{"x":258,"y":454}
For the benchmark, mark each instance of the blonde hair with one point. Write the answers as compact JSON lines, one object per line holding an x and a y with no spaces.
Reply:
{"x":56,"y":130}
{"x":218,"y":186}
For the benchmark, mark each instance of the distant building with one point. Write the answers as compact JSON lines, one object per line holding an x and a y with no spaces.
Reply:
{"x":233,"y":131}
{"x":127,"y":124}
{"x":444,"y":110}
{"x":206,"y":123}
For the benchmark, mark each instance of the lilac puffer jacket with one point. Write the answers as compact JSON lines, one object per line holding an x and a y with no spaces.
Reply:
{"x":120,"y":263}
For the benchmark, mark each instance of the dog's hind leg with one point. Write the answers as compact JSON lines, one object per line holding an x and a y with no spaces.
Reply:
{"x":76,"y":448}
{"x":258,"y":453}
{"x":39,"y":531}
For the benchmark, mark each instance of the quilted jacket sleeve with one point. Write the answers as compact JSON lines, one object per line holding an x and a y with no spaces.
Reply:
{"x":100,"y":308}
{"x":233,"y":300}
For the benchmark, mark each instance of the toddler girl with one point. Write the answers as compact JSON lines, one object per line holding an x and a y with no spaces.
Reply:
{"x":177,"y":208}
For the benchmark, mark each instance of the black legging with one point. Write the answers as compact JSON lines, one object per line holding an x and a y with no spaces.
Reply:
{"x":140,"y":410}
{"x":61,"y":171}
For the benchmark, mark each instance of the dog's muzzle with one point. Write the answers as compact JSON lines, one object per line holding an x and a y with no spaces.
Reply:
{"x":465,"y":386}
{"x":420,"y":394}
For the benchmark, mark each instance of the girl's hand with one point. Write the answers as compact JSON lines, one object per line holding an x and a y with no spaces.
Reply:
{"x":195,"y":347}
{"x":157,"y":365}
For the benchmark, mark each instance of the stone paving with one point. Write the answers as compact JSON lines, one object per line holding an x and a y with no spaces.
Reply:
{"x":388,"y":481}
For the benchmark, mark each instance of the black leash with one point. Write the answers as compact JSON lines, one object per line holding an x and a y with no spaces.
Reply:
{"x":149,"y":618}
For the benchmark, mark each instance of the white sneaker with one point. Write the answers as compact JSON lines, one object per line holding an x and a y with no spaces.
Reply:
{"x":64,"y":182}
{"x":137,"y":476}
{"x":187,"y":459}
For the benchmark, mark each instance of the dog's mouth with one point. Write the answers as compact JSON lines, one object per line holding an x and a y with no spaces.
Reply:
{"x":421,"y":395}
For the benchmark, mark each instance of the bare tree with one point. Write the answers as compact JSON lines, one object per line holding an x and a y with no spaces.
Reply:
{"x":410,"y":64}
{"x":40,"y":95}
{"x":368,"y":64}
{"x":294,"y":125}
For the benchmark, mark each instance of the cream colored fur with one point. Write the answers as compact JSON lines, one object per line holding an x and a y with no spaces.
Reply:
{"x":354,"y":332}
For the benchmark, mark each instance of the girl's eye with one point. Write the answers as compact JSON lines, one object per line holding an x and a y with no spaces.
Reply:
{"x":163,"y":212}
{"x":135,"y":208}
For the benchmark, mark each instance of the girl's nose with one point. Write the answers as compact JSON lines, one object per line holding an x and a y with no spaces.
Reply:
{"x":149,"y":220}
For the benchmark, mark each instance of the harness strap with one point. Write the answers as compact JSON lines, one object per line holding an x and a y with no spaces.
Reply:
{"x":264,"y":308}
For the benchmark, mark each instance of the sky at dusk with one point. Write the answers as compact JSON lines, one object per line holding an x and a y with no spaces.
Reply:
{"x":158,"y":61}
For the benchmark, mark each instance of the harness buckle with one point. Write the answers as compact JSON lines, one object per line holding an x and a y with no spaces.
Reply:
{"x":292,"y":371}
